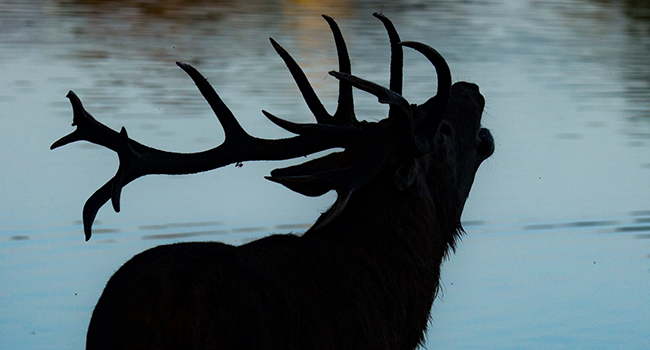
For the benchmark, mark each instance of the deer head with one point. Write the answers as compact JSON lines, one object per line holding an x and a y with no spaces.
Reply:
{"x":436,"y":144}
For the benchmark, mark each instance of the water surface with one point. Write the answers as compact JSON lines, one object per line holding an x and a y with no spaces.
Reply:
{"x":557,"y":249}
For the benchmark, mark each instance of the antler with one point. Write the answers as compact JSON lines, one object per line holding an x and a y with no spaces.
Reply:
{"x":367,"y":145}
{"x":137,"y":160}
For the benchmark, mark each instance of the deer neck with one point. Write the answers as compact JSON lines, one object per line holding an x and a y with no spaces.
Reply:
{"x":390,"y":226}
{"x":395,"y":244}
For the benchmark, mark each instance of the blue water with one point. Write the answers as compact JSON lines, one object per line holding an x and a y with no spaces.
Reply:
{"x":557,"y":249}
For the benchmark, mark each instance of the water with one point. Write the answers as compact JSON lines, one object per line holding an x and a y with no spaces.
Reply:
{"x":557,"y":249}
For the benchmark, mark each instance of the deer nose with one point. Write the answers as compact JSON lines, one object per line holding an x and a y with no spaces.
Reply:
{"x":476,"y":94}
{"x":470,"y":91}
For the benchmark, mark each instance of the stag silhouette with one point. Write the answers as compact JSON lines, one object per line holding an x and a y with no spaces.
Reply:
{"x":364,"y":276}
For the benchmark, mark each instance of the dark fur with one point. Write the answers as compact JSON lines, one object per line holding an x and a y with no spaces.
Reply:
{"x":365,"y":280}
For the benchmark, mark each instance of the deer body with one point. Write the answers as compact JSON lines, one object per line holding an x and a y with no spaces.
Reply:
{"x":368,"y":283}
{"x":364,"y":276}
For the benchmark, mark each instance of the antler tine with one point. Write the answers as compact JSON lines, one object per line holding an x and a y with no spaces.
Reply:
{"x":310,"y":97}
{"x":92,"y":206}
{"x":347,"y":134}
{"x":88,"y":128}
{"x":344,"y":180}
{"x":344,"y":114}
{"x":231,"y":126}
{"x":396,"y":54}
{"x":436,"y":105}
{"x":442,"y":69}
{"x":383,"y":94}
{"x":127,"y":170}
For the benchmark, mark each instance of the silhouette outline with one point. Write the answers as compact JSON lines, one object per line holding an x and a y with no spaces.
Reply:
{"x":364,"y":276}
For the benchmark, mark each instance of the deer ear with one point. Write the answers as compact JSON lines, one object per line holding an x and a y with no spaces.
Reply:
{"x":444,"y":137}
{"x":445,"y":132}
{"x":407,"y":174}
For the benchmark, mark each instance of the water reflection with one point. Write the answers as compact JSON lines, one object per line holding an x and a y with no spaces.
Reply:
{"x":19,"y":238}
{"x":106,"y":230}
{"x":185,"y":230}
{"x":629,"y":225}
{"x":178,"y":225}
{"x":185,"y":235}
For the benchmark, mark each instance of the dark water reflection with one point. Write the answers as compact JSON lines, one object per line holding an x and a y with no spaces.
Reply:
{"x":556,"y":255}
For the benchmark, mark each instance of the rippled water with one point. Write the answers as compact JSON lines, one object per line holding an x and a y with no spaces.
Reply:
{"x":557,"y":249}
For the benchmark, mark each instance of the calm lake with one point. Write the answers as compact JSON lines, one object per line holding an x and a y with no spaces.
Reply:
{"x":557,"y":251}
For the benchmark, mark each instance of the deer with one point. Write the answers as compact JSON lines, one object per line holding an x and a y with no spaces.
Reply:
{"x":363,"y":276}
